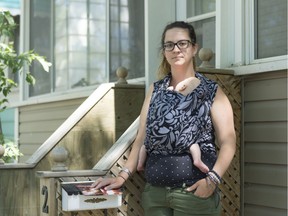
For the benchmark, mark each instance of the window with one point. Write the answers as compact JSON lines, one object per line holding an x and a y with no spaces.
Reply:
{"x":201,"y":14}
{"x":40,"y":41}
{"x":251,"y":35}
{"x":86,"y":41}
{"x":127,"y":37}
{"x":270,"y":26}
{"x":195,"y":8}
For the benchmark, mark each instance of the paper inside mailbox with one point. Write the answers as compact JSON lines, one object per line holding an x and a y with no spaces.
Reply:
{"x":79,"y":196}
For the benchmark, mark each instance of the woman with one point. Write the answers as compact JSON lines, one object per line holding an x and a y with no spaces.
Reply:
{"x":169,"y":124}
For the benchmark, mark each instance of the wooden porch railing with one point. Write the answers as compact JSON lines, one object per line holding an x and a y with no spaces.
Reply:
{"x":87,"y":135}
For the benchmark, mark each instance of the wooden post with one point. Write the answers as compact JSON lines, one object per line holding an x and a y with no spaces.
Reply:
{"x":48,"y":203}
{"x":49,"y":181}
{"x":122,"y":73}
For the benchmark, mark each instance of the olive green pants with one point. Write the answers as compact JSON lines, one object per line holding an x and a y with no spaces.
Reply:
{"x":165,"y":201}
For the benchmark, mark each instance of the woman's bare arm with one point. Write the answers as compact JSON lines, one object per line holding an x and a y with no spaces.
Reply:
{"x":223,"y":121}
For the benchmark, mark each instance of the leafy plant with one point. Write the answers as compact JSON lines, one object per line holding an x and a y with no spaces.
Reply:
{"x":11,"y":151}
{"x":11,"y":61}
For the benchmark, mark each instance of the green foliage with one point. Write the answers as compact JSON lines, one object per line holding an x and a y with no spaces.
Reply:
{"x":11,"y":61}
{"x":11,"y":151}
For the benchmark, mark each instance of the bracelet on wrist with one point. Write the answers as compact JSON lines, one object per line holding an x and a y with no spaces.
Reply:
{"x":211,"y":184}
{"x":216,"y":174}
{"x":126,"y":170}
{"x":214,"y":177}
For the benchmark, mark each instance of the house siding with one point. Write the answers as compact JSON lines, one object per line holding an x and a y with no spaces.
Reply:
{"x":264,"y":149}
{"x":38,"y":122}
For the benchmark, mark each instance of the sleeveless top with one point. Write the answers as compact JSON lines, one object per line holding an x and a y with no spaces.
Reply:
{"x":174,"y":123}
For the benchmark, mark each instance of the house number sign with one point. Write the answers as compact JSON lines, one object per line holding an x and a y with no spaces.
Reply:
{"x":44,"y":192}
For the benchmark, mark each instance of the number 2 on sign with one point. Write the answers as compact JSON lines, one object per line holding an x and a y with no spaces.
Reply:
{"x":45,"y":193}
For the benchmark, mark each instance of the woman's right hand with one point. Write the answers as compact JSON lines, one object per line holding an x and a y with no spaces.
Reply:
{"x":108,"y":183}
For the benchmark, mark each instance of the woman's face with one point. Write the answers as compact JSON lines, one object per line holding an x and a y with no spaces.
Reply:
{"x":179,"y":56}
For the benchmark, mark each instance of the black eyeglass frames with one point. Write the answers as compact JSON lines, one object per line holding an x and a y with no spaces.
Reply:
{"x":182,"y":44}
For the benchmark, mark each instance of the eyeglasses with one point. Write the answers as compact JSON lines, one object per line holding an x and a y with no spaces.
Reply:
{"x":182,"y":44}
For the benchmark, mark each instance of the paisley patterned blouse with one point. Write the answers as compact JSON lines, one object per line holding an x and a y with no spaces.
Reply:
{"x":174,"y":123}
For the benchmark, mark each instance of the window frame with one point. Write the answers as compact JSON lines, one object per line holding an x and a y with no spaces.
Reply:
{"x":237,"y":56}
{"x":24,"y":98}
{"x":250,"y":35}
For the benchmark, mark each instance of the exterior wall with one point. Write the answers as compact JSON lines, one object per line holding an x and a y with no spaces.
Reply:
{"x":7,"y":118}
{"x":265,"y":144}
{"x":38,"y":122}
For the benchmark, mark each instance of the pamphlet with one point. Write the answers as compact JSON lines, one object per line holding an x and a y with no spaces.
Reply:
{"x":87,"y":190}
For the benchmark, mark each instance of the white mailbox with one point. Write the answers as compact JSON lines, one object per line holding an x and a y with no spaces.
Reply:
{"x":78,"y":196}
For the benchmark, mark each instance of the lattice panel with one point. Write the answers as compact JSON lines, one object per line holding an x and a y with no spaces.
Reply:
{"x":133,"y":190}
{"x":230,"y":188}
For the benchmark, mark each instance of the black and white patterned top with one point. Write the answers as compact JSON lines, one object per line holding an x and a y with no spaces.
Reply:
{"x":174,"y":123}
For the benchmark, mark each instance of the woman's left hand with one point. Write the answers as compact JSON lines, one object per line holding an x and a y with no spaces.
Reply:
{"x":202,"y":188}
